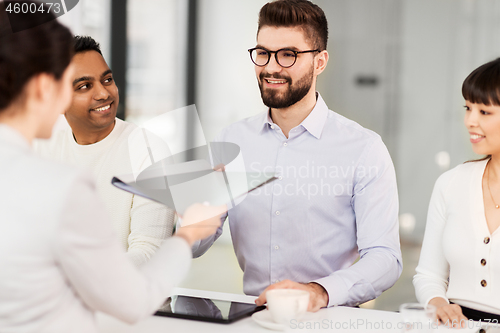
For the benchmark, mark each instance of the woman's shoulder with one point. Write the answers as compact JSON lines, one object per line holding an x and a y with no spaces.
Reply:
{"x":468,"y":168}
{"x":461,"y":174}
{"x":45,"y":187}
{"x":57,"y":177}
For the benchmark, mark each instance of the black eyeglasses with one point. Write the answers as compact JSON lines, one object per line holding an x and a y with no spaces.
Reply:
{"x":284,"y":57}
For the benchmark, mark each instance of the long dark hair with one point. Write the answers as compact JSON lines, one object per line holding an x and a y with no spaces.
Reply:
{"x":483,"y":86}
{"x":46,"y":48}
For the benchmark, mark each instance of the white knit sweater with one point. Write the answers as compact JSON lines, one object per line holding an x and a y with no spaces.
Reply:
{"x":460,"y":259}
{"x":141,"y":224}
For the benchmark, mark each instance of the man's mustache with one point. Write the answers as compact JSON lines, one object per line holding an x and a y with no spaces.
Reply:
{"x":264,"y":75}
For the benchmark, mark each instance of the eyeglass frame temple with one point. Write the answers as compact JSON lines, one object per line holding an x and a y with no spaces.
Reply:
{"x":276,"y":55}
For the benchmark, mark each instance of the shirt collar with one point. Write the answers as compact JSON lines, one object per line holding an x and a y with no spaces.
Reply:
{"x":314,"y":122}
{"x":108,"y":140}
{"x":266,"y":119}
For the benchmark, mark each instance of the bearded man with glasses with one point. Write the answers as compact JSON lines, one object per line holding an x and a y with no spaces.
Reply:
{"x":335,"y":199}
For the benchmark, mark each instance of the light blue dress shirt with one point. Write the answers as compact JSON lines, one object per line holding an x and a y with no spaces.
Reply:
{"x":335,"y":199}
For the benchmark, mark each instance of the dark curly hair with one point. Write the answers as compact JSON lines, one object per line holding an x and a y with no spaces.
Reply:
{"x":86,"y":43}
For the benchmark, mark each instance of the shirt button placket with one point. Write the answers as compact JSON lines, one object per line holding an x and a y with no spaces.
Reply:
{"x":277,"y":225}
{"x":483,"y":261}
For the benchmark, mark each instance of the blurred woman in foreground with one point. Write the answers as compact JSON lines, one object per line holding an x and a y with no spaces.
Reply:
{"x":459,"y":267}
{"x":59,"y":259}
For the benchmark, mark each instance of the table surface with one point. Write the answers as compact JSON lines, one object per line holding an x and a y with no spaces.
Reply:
{"x":338,"y":319}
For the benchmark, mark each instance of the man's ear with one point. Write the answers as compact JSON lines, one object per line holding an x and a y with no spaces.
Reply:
{"x":320,"y":62}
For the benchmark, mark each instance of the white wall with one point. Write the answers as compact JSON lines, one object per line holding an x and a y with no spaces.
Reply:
{"x":156,"y":60}
{"x":91,"y":17}
{"x":227,"y":87}
{"x":442,"y":42}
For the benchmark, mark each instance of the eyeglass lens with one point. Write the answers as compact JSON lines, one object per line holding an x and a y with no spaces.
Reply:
{"x":286,"y":58}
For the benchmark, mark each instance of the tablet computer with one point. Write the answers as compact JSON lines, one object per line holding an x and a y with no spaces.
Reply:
{"x":205,"y":309}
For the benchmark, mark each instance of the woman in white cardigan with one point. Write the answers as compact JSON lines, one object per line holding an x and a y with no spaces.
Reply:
{"x":59,"y":259}
{"x":459,"y":267}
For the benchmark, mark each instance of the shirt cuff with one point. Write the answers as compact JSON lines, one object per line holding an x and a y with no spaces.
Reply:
{"x":336,"y":289}
{"x":196,"y":245}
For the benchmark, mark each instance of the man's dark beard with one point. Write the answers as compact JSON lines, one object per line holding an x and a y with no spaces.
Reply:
{"x":274,"y":99}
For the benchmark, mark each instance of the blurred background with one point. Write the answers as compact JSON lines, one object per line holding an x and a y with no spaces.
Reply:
{"x":396,"y":67}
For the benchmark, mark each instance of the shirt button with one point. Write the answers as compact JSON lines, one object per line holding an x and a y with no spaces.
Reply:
{"x":483,"y":262}
{"x":280,"y":178}
{"x":272,"y":127}
{"x":276,"y":247}
{"x":278,"y":212}
{"x":486,"y":240}
{"x":285,"y":144}
{"x":483,"y":283}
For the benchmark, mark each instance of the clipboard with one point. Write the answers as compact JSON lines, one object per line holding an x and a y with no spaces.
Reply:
{"x":179,"y":185}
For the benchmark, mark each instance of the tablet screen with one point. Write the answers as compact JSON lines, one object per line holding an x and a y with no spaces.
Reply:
{"x":205,"y":309}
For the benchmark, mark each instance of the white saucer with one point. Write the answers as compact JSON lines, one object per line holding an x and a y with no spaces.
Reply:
{"x":264,"y":319}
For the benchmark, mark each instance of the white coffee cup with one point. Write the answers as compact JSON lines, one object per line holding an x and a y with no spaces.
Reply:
{"x":287,"y":304}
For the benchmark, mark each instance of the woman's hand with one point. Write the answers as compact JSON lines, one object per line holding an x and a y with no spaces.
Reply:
{"x":200,"y":221}
{"x":449,"y":314}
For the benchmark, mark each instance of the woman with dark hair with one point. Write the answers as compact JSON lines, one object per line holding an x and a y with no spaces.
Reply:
{"x":459,"y":267}
{"x":59,"y":259}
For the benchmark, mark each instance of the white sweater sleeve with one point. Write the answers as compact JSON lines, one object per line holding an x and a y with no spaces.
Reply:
{"x":96,"y":267}
{"x":432,"y":271}
{"x":150,"y":224}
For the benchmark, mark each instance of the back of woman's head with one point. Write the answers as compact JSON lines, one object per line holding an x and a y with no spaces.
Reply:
{"x":482,"y":86}
{"x":45,"y":48}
